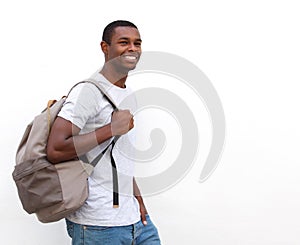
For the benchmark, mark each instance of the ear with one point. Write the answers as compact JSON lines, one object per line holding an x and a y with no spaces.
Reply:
{"x":104,"y":47}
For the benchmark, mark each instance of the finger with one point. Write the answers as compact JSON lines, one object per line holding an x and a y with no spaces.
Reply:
{"x":144,"y":219}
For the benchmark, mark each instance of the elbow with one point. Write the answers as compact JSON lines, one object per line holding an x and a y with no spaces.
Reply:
{"x":53,"y":156}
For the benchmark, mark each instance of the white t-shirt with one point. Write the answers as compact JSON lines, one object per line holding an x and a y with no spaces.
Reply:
{"x":88,"y":109}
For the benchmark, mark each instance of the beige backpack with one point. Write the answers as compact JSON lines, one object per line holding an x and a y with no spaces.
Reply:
{"x":51,"y":191}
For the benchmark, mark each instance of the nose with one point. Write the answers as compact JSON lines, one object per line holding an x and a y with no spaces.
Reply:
{"x":132,"y":47}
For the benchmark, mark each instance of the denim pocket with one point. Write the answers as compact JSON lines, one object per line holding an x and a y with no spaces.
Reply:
{"x":99,"y":235}
{"x":70,"y":228}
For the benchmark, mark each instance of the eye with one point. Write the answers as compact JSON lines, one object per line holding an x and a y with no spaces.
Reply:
{"x":123,"y":42}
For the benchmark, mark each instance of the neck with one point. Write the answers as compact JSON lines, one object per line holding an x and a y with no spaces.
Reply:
{"x":115,"y":77}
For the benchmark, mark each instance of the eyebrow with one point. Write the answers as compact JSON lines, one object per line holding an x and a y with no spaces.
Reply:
{"x":126,"y":38}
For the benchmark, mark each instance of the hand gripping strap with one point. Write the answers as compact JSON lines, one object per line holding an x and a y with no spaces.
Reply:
{"x":98,"y":158}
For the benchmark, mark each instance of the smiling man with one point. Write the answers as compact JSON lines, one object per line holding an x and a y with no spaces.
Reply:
{"x":114,"y":212}
{"x":122,"y":50}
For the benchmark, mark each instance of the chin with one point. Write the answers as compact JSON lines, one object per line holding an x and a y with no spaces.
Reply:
{"x":128,"y":68}
{"x":132,"y":67}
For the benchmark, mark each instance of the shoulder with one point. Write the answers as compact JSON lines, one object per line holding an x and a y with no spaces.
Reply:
{"x":85,"y":94}
{"x":85,"y":89}
{"x":83,"y":102}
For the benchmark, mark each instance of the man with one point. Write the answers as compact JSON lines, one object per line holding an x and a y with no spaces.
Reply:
{"x":86,"y":126}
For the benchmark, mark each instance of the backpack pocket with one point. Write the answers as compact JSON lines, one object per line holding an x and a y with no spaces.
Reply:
{"x":38,"y":184}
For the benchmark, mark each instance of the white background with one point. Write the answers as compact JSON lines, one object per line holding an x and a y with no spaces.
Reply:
{"x":249,"y":50}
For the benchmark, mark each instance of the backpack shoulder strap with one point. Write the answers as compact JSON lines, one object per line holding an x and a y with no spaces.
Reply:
{"x":112,"y":144}
{"x":101,"y":89}
{"x":113,"y":104}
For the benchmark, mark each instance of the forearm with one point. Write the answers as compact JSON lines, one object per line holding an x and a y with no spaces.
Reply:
{"x":67,"y":148}
{"x":136,"y":192}
{"x":80,"y":144}
{"x":66,"y":143}
{"x":138,"y":196}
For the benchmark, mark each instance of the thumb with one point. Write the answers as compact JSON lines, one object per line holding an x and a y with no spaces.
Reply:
{"x":144,"y":219}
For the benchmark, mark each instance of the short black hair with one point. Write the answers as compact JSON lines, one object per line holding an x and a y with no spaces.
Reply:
{"x":109,"y":29}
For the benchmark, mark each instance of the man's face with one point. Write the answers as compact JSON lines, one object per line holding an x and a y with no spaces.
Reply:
{"x":125,"y":48}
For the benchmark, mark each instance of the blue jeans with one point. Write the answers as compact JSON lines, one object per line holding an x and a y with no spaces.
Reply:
{"x":136,"y":234}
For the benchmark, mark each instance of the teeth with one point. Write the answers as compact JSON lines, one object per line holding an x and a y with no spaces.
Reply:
{"x":130,"y":57}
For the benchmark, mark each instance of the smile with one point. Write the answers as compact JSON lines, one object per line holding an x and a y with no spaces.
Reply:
{"x":130,"y":57}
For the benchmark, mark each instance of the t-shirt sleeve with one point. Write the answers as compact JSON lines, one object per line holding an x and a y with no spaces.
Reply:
{"x":82,"y":103}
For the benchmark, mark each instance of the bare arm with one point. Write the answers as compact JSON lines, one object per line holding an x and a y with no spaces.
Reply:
{"x":138,"y":196}
{"x":65,"y":143}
